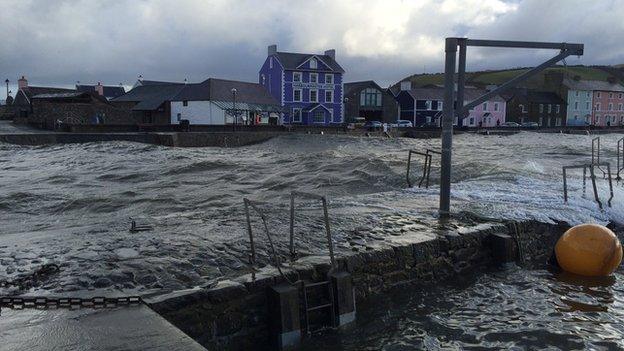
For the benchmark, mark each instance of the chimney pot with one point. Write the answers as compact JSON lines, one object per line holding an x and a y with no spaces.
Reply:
{"x":331,"y":53}
{"x":272,"y":49}
{"x":99,"y":88}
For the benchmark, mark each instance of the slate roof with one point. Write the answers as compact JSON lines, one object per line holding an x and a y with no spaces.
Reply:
{"x":292,"y":60}
{"x":213,"y":89}
{"x":156,"y":82}
{"x":61,"y":95}
{"x":150,"y":97}
{"x":110,"y":92}
{"x":355,"y":87}
{"x":438,"y":94}
{"x":31,"y":91}
{"x":592,"y":85}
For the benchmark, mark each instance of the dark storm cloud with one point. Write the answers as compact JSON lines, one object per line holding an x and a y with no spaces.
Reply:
{"x":60,"y":42}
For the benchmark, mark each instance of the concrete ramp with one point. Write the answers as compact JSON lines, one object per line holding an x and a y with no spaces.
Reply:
{"x":123,"y":328}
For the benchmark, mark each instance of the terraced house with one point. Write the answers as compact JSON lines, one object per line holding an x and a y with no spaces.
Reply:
{"x":309,"y":87}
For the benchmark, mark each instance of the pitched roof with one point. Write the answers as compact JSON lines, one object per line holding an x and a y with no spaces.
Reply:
{"x":352,"y":87}
{"x":110,"y":92}
{"x":292,"y":60}
{"x":150,"y":97}
{"x":592,"y":85}
{"x":213,"y":89}
{"x":31,"y":91}
{"x":156,"y":82}
{"x":470,"y":94}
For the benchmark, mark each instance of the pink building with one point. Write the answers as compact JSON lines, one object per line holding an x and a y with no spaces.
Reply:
{"x":491,"y":113}
{"x":608,"y":106}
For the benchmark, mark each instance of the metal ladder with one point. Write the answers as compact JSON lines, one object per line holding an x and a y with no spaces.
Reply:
{"x":324,"y":305}
{"x":428,"y":154}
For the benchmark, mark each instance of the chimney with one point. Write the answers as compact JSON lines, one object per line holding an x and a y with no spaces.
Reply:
{"x":99,"y":88}
{"x":272,"y":50}
{"x":406,"y":85}
{"x":22,"y":83}
{"x":331,"y":53}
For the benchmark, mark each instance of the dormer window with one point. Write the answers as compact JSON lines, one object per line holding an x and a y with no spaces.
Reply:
{"x":313,"y":63}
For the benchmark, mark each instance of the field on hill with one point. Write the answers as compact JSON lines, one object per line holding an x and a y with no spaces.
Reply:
{"x":484,"y":78}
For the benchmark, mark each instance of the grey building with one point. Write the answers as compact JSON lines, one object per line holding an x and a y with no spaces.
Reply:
{"x":368,"y":100}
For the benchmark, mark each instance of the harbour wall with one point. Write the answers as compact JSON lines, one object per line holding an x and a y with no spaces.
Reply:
{"x":234,"y":314}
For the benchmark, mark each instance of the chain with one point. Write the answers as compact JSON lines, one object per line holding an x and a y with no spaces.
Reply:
{"x":43,"y":303}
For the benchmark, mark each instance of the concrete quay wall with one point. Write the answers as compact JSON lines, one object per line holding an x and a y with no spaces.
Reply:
{"x":234,"y":314}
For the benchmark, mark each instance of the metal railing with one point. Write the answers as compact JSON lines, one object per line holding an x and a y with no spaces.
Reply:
{"x":252,"y":257}
{"x":620,"y":158}
{"x":428,"y":154}
{"x":595,"y":155}
{"x":323,"y":199}
{"x":592,"y":176}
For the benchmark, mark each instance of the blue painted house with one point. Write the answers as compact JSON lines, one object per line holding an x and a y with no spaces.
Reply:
{"x":308,"y":86}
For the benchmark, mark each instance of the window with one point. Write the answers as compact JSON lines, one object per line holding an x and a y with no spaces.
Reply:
{"x":296,"y":76}
{"x":522,"y":108}
{"x":313,"y":95}
{"x":297,"y":95}
{"x":485,"y":106}
{"x":610,"y":107}
{"x":598,"y":94}
{"x":370,"y":97}
{"x":313,"y":77}
{"x":471,"y":121}
{"x":576,"y":105}
{"x":329,"y":78}
{"x":598,"y":107}
{"x":620,"y":107}
{"x":296,"y":115}
{"x":428,"y":105}
{"x":557,"y":108}
{"x":313,"y":63}
{"x":549,"y":108}
{"x":179,"y":117}
{"x":496,"y":106}
{"x":271,"y":62}
{"x":587,"y":94}
{"x":319,"y":116}
{"x":185,"y":103}
{"x":575,"y":117}
{"x":610,"y":95}
{"x":541,"y":108}
{"x":576,"y":93}
{"x":587,"y":105}
{"x":329,"y":96}
{"x":440,"y":105}
{"x":262,"y":79}
{"x":620,"y":96}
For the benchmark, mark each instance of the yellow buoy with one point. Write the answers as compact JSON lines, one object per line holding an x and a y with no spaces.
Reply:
{"x":590,"y":250}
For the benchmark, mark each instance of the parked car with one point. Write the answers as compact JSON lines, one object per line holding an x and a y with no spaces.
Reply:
{"x":403,"y":123}
{"x":510,"y":125}
{"x":373,"y":125}
{"x":530,"y":124}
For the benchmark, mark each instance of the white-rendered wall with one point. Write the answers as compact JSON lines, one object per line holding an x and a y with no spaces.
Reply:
{"x":197,"y":112}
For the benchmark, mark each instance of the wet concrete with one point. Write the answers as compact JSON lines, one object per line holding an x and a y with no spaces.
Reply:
{"x":124,"y":328}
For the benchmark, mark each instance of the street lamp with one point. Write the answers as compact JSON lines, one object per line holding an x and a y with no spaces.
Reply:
{"x":7,"y":86}
{"x":234,"y":106}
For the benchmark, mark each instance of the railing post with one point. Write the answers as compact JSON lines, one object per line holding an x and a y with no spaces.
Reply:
{"x":565,"y":186}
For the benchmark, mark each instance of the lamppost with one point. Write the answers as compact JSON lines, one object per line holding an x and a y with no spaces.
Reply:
{"x":234,"y":107}
{"x":7,"y":86}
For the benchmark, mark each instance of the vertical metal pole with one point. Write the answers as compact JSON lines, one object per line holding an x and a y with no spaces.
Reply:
{"x":292,"y":226}
{"x":409,"y":164}
{"x":593,"y":179}
{"x":610,"y":185}
{"x":584,"y":181}
{"x":252,"y":257}
{"x":429,"y":170}
{"x":565,"y":186}
{"x":447,"y":128}
{"x":461,"y":80}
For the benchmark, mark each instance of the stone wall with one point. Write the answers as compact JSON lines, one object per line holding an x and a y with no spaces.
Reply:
{"x":233,"y":314}
{"x":47,"y":113}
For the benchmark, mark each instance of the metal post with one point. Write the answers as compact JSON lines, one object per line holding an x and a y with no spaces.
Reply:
{"x":584,"y":181}
{"x":461,"y":81}
{"x":293,"y":254}
{"x":565,"y":186}
{"x":610,"y":184}
{"x":409,"y":163}
{"x":7,"y":87}
{"x":593,"y":179}
{"x":447,"y":128}
{"x":328,"y":232}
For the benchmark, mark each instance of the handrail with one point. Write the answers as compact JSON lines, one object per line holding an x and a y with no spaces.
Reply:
{"x":428,"y":154}
{"x":323,"y":199}
{"x":591,"y":168}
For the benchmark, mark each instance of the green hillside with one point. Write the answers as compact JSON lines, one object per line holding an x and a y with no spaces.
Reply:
{"x":483,"y":78}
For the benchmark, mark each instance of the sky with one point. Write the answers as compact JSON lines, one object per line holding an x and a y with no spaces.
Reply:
{"x":59,"y":42}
